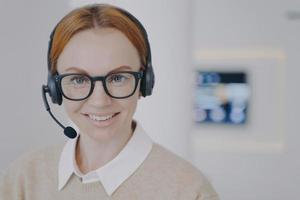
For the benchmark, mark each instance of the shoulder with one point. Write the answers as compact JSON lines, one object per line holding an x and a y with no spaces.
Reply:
{"x":41,"y":155}
{"x":172,"y":163}
{"x":179,"y":173}
{"x":33,"y":160}
{"x":28,"y":170}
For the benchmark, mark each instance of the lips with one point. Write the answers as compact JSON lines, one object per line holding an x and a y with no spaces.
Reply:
{"x":101,"y":117}
{"x":102,"y":120}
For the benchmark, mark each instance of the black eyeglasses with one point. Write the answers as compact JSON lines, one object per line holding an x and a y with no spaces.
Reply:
{"x":119,"y":85}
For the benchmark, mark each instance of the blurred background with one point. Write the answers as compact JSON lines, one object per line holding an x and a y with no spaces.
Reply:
{"x":226,"y":95}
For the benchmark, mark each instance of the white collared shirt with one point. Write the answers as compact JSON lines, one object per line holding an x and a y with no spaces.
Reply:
{"x":113,"y":173}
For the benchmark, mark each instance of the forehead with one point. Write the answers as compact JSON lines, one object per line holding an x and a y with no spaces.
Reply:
{"x":98,"y":51}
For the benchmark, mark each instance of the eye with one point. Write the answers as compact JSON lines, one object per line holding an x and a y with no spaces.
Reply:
{"x":118,"y":78}
{"x":79,"y":80}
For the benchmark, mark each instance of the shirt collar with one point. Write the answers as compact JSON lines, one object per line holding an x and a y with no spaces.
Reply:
{"x":116,"y":171}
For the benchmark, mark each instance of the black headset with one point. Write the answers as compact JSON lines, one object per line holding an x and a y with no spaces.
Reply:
{"x":147,"y":81}
{"x":146,"y":86}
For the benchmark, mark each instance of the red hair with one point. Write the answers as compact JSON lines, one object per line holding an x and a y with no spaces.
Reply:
{"x":95,"y":16}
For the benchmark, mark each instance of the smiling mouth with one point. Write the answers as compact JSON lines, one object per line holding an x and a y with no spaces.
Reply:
{"x":100,"y":118}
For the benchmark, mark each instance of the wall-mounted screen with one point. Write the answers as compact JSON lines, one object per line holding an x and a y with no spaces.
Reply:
{"x":221,"y":97}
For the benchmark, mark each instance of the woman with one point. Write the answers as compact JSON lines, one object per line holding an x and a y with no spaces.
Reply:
{"x":99,"y":64}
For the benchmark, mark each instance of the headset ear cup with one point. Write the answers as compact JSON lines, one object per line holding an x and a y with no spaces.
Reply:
{"x":147,"y":82}
{"x":54,"y":92}
{"x":143,"y":85}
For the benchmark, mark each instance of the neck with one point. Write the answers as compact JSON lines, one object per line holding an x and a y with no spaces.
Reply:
{"x":91,"y":154}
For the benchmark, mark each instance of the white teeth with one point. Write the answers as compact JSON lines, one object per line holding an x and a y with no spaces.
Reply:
{"x":100,"y":118}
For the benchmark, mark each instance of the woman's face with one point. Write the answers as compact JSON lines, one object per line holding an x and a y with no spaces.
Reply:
{"x":97,"y":52}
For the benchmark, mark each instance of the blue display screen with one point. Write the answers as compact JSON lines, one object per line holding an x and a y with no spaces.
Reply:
{"x":221,"y":97}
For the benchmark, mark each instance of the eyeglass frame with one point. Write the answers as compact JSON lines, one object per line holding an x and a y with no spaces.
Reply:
{"x":137,"y":75}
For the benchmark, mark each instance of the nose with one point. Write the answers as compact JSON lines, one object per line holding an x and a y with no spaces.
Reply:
{"x":99,"y":98}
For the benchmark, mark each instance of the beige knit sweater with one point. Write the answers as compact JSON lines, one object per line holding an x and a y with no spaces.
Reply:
{"x":163,"y":175}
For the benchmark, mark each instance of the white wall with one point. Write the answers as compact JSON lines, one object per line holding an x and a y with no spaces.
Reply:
{"x":255,"y":173}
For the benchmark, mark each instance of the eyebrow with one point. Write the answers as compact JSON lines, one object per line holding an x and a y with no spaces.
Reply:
{"x":121,"y":68}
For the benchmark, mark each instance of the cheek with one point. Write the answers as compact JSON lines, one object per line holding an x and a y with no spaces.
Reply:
{"x":131,"y":103}
{"x":71,"y":107}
